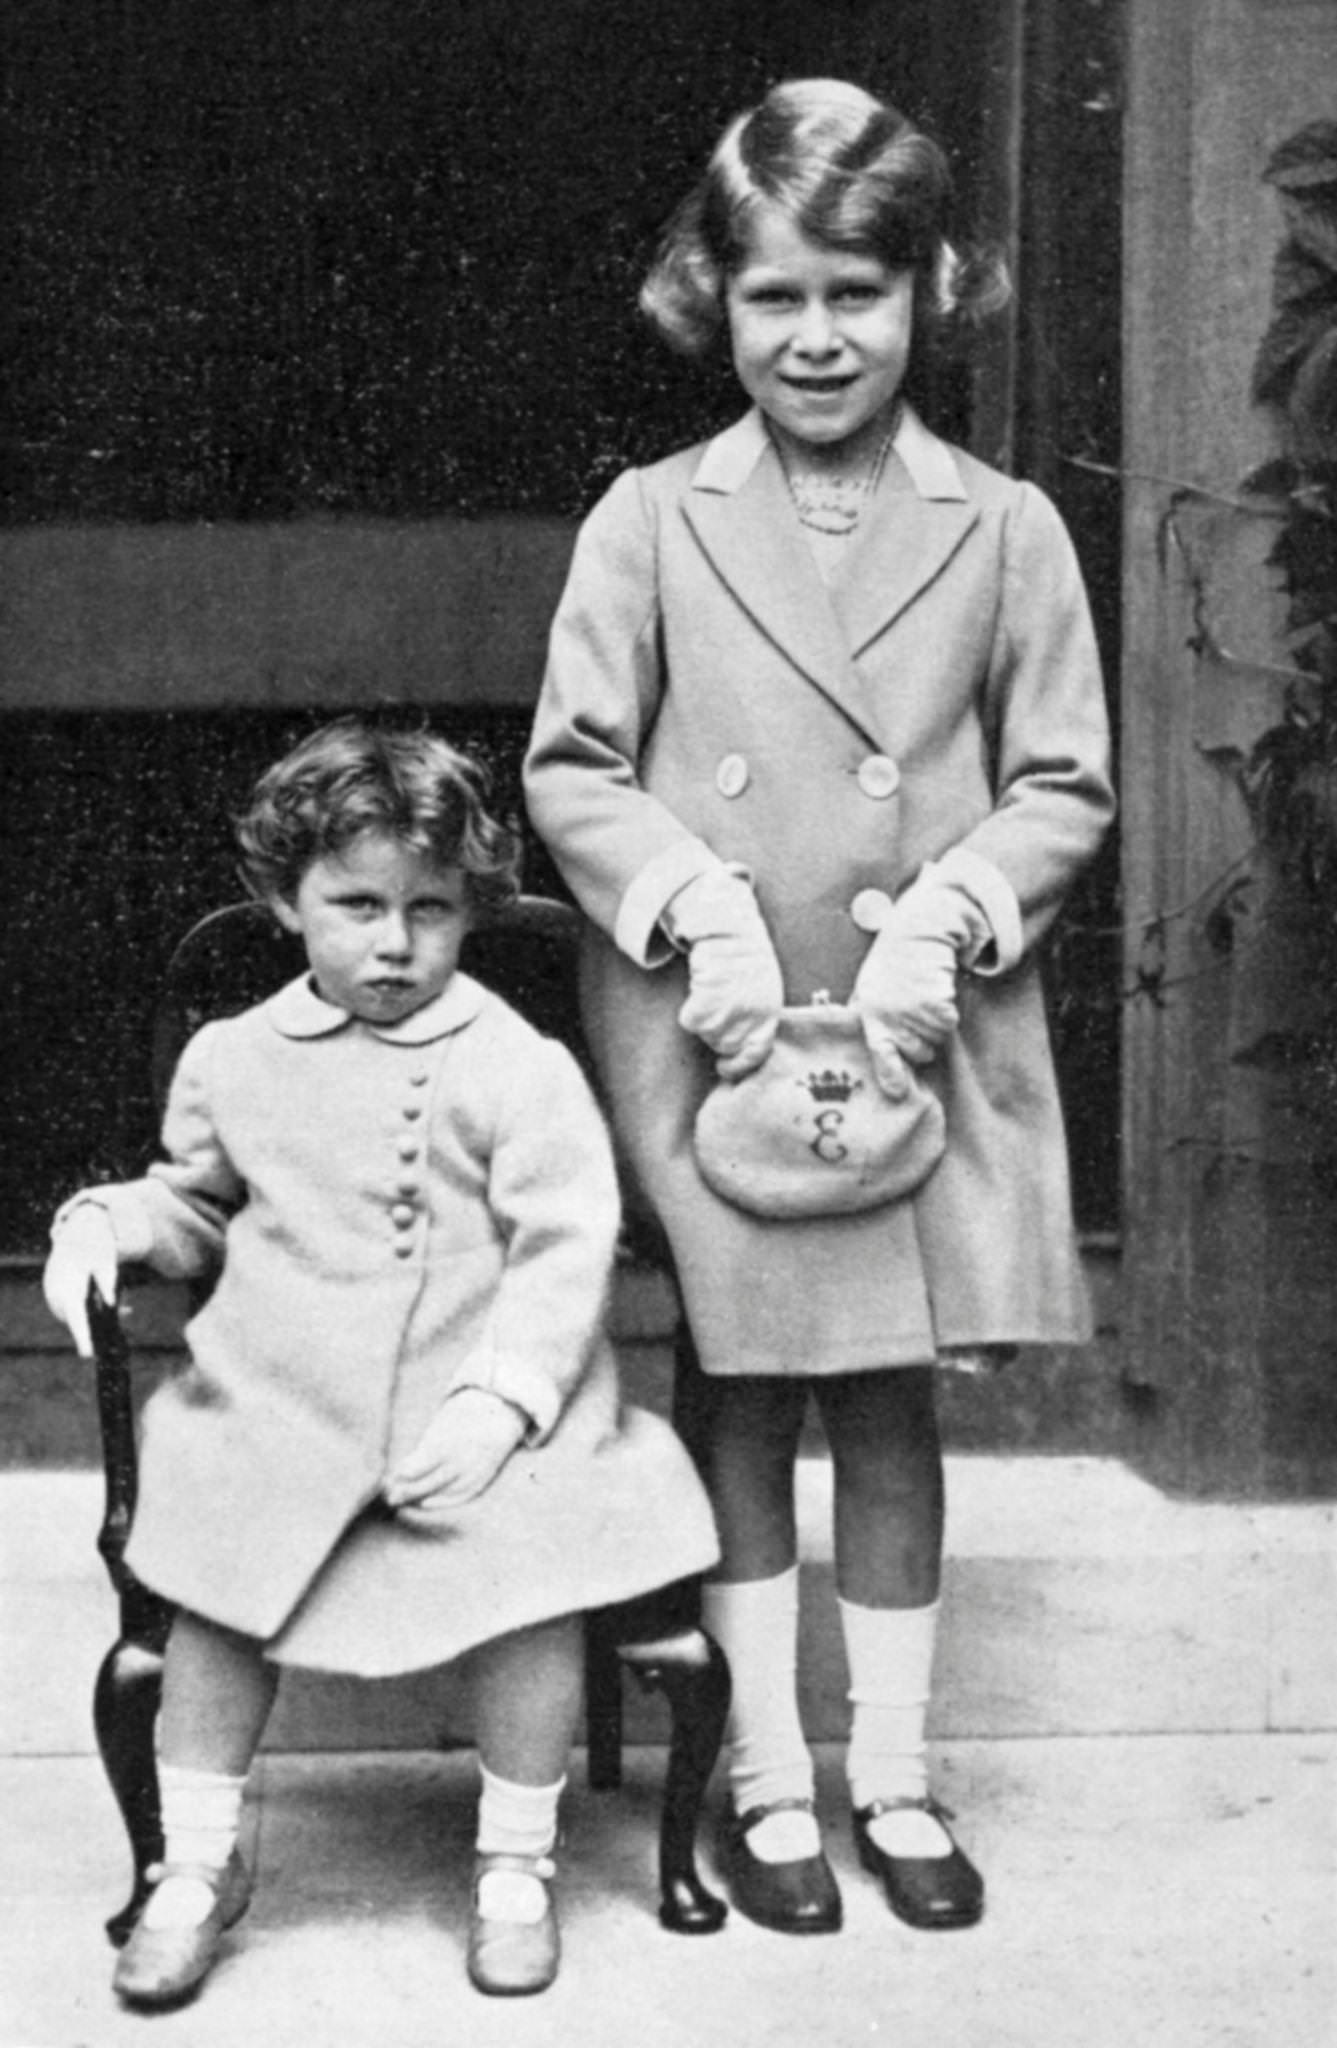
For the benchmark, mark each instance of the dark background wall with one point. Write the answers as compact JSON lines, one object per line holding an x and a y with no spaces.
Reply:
{"x":381,"y":256}
{"x":320,"y":332}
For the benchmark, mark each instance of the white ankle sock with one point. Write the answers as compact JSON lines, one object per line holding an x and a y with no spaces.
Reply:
{"x":201,"y":1818}
{"x":755,"y":1623}
{"x":515,"y":1820}
{"x":890,"y":1655}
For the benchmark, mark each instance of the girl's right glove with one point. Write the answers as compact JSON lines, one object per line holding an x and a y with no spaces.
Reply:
{"x":83,"y":1250}
{"x":735,"y":989}
{"x":460,"y":1452}
{"x":906,"y":987}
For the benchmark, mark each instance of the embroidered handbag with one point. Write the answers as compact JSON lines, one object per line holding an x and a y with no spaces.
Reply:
{"x":810,"y":1133}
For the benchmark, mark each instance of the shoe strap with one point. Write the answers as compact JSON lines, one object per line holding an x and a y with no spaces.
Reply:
{"x":933,"y":1807}
{"x":212,"y":1874}
{"x":744,"y":1821}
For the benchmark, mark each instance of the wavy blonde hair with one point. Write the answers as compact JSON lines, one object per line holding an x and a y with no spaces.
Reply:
{"x":851,"y":173}
{"x":349,"y":778}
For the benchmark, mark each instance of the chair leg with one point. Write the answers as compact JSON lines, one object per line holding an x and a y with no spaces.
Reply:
{"x":129,"y":1684}
{"x":603,"y":1705}
{"x":690,"y":1670}
{"x":125,"y":1708}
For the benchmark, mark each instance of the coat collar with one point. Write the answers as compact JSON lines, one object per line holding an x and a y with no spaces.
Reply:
{"x":738,"y":506}
{"x":729,"y":460}
{"x":298,"y":1012}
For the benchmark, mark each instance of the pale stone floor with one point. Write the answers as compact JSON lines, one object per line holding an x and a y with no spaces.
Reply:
{"x":1149,"y":1783}
{"x":1146,"y":1892}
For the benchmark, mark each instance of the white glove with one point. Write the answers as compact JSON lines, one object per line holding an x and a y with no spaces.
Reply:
{"x":83,"y":1250}
{"x":906,"y":987}
{"x":735,"y":989}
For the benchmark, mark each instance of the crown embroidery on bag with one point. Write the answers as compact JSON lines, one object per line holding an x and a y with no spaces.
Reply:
{"x":831,"y":1085}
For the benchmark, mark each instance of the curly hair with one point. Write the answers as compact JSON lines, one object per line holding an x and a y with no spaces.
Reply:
{"x":349,"y":778}
{"x":851,"y":173}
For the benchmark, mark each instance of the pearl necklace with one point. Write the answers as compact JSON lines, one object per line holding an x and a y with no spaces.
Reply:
{"x":835,"y":504}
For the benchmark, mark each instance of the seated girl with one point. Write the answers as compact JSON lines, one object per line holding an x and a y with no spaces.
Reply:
{"x":398,"y":1437}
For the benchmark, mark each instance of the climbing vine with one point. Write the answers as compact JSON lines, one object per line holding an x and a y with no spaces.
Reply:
{"x":1290,"y":775}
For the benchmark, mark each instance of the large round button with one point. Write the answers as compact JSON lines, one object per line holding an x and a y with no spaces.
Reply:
{"x":419,"y":1079}
{"x":732,"y":776}
{"x":879,"y":776}
{"x":403,"y":1250}
{"x":871,"y":909}
{"x":412,"y":1111}
{"x":408,"y":1148}
{"x":402,"y":1216}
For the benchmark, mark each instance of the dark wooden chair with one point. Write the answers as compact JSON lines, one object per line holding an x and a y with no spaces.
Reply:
{"x":230,"y":959}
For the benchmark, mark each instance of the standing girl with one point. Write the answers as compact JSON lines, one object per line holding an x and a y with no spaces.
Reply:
{"x":399,"y":1437}
{"x":823,"y":714}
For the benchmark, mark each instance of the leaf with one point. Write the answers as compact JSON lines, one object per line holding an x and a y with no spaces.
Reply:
{"x":1304,"y":554}
{"x":1306,"y":158}
{"x":1282,"y":350}
{"x":1275,"y":478}
{"x":1313,"y":403}
{"x":1299,"y":280}
{"x":1314,"y":227}
{"x":1219,"y":924}
{"x":1283,"y":1052}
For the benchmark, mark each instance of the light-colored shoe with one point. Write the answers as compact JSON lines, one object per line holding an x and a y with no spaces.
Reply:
{"x":164,"y":1966}
{"x":512,"y":1958}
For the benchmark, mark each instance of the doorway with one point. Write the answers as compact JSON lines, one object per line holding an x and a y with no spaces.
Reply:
{"x":377,"y":259}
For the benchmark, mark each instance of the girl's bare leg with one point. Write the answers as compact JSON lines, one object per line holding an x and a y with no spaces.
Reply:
{"x":216,"y":1695}
{"x":217,"y":1692}
{"x":748,"y":1441}
{"x":882,"y":1428}
{"x":527,"y":1693}
{"x":883,"y":1432}
{"x":749,"y":1434}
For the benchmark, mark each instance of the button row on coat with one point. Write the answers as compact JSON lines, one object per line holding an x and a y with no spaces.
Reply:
{"x":877,"y":776}
{"x":404,"y":1211}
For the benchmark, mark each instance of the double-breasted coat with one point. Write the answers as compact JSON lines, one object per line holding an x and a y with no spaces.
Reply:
{"x":399,"y":1212}
{"x":708,"y":695}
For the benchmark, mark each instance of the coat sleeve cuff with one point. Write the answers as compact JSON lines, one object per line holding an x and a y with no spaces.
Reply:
{"x":638,"y":932}
{"x":994,"y":897}
{"x":526,"y":1389}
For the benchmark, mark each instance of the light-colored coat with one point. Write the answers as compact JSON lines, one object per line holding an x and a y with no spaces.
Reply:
{"x":707,"y":694}
{"x":399,"y":1212}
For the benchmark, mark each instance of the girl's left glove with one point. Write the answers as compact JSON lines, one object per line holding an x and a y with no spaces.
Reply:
{"x":460,"y":1452}
{"x":83,"y":1251}
{"x":906,"y":988}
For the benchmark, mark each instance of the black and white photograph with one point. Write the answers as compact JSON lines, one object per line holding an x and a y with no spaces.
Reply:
{"x":668,"y":1041}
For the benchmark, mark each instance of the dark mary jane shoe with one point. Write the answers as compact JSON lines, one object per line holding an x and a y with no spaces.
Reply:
{"x":797,"y":1897}
{"x":924,"y":1891}
{"x":160,"y":1967}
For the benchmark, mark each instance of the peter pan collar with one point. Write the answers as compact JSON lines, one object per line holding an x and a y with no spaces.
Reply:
{"x":298,"y":1012}
{"x":729,"y":460}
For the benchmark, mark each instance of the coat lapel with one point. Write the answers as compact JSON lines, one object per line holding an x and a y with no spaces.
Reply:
{"x":916,"y":523}
{"x":739,"y":509}
{"x":907,"y":544}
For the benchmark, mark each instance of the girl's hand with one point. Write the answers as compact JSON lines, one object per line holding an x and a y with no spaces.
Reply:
{"x":460,"y":1452}
{"x":83,"y":1250}
{"x":906,"y":988}
{"x":906,"y":998}
{"x":735,"y":990}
